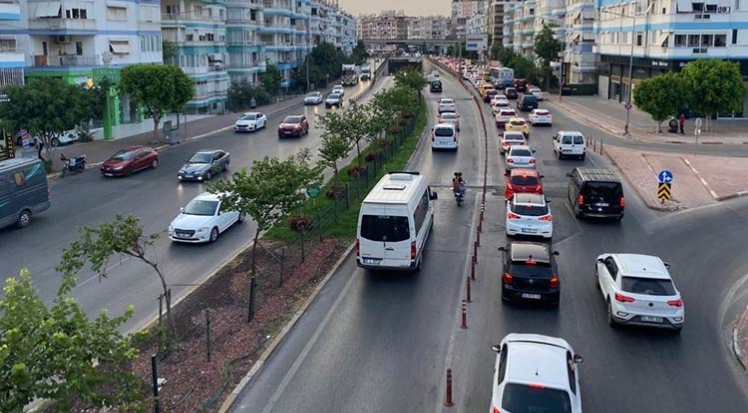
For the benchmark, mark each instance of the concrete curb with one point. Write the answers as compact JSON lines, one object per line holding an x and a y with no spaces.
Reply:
{"x":740,"y":325}
{"x":732,"y":196}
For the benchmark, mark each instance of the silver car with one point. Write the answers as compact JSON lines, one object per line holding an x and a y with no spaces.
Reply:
{"x":520,"y":157}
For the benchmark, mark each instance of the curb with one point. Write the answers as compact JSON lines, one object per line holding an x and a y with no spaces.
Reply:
{"x":698,"y":175}
{"x":732,"y":196}
{"x":740,"y":324}
{"x":639,"y":192}
{"x":257,"y":367}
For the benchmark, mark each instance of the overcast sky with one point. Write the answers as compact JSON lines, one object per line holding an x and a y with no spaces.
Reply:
{"x":411,"y":7}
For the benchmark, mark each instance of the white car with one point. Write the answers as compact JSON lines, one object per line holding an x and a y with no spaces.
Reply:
{"x":519,"y":157}
{"x":450,"y":117}
{"x":339,"y":89}
{"x":511,"y":138}
{"x":499,"y":98}
{"x":334,"y":99}
{"x":444,"y":136}
{"x":536,"y":92}
{"x":540,"y":117}
{"x":498,"y":105}
{"x":250,"y":122}
{"x":535,"y":373}
{"x":202,"y":220}
{"x":504,"y":115}
{"x":447,"y":105}
{"x":569,"y":143}
{"x":638,"y":290}
{"x":314,"y":98}
{"x":529,"y":214}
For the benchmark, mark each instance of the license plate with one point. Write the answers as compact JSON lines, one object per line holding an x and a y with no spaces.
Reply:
{"x":370,"y":261}
{"x":288,"y":132}
{"x":529,"y":231}
{"x":602,"y":205}
{"x":107,"y":174}
{"x":531,"y":296}
{"x":651,"y":319}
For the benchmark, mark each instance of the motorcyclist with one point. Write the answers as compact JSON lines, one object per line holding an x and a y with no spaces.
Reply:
{"x":458,"y":184}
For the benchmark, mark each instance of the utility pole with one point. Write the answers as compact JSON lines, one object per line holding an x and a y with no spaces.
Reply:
{"x":308,"y":51}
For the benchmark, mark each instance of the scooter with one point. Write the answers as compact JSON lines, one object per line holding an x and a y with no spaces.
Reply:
{"x":73,"y":165}
{"x":460,"y":197}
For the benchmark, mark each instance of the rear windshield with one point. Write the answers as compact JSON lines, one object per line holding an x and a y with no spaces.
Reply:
{"x":606,"y":190}
{"x":449,"y":116}
{"x":537,"y":270}
{"x":529,"y":98}
{"x":521,"y":398}
{"x":447,"y":102}
{"x":491,"y":92}
{"x":521,"y":152}
{"x":508,"y":113}
{"x":385,"y":228}
{"x":529,"y":210}
{"x":443,"y":132}
{"x":436,"y":83}
{"x":514,"y":138}
{"x":578,"y":140}
{"x":541,"y":112}
{"x":647,"y":286}
{"x":524,"y":180}
{"x":517,"y":122}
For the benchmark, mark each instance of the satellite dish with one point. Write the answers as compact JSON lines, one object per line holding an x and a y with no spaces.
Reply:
{"x":106,"y":57}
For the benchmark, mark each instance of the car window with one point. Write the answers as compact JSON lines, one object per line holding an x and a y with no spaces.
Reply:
{"x":647,"y":286}
{"x":570,"y":367}
{"x":566,"y":140}
{"x":443,"y":132}
{"x":612,"y":267}
{"x":523,"y":398}
{"x":385,"y":228}
{"x":518,"y":122}
{"x":534,"y":269}
{"x":217,"y":156}
{"x":530,"y":210}
{"x":449,"y":116}
{"x":578,"y":140}
{"x":201,"y":207}
{"x":502,"y":364}
{"x":524,"y":180}
{"x":610,"y":191}
{"x":521,"y":152}
{"x":200,"y":157}
{"x":249,"y":117}
{"x":512,"y":137}
{"x":292,"y":119}
{"x":123,"y":155}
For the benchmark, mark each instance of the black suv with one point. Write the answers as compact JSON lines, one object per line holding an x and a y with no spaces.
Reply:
{"x":529,"y":273}
{"x":510,"y":93}
{"x":527,"y":102}
{"x":520,"y":85}
{"x":596,"y":192}
{"x":436,"y":86}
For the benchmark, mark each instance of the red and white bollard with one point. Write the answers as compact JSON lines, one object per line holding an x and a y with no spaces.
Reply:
{"x":472,"y":271}
{"x":468,"y":293}
{"x":464,"y":315}
{"x":448,"y":399}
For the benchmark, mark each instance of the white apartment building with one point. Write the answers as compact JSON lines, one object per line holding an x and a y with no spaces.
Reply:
{"x":428,"y":27}
{"x":12,"y":59}
{"x":580,"y":61}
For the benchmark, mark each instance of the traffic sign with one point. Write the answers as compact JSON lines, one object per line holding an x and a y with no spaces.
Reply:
{"x":313,"y":192}
{"x":665,"y":177}
{"x":476,"y":42}
{"x":664,"y":191}
{"x":25,"y":138}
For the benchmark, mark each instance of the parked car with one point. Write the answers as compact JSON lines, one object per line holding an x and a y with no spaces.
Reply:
{"x":250,"y":122}
{"x":511,"y":93}
{"x":127,"y":161}
{"x":529,"y":273}
{"x":529,"y":214}
{"x":569,"y":143}
{"x":596,"y":192}
{"x":339,"y":89}
{"x":638,"y":290}
{"x":314,"y":98}
{"x":518,"y":124}
{"x":503,"y":117}
{"x":202,"y":220}
{"x":203,"y":165}
{"x":450,"y":117}
{"x":527,"y":102}
{"x":446,"y":105}
{"x":519,"y":157}
{"x":293,"y":125}
{"x":24,"y":191}
{"x":435,"y":86}
{"x":535,"y":373}
{"x":540,"y":117}
{"x":521,"y":181}
{"x":535,"y":91}
{"x":334,"y":99}
{"x":513,"y":138}
{"x":444,"y":136}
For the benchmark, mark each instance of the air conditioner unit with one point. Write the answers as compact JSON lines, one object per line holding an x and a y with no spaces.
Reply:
{"x":62,"y":39}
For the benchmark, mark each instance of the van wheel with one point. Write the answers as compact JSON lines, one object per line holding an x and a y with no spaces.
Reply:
{"x":559,"y":155}
{"x":582,"y":157}
{"x":24,"y":219}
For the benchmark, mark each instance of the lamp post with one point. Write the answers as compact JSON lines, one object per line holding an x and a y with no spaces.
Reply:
{"x":631,"y":60}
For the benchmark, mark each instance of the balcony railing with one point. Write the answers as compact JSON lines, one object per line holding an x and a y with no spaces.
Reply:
{"x":65,"y":60}
{"x":63,"y":24}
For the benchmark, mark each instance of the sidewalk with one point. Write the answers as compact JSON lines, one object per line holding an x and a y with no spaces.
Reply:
{"x":611,"y":116}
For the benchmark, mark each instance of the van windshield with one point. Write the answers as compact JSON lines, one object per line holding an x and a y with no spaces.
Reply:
{"x":385,"y":228}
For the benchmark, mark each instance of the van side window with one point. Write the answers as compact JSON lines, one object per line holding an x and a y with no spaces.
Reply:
{"x":19,"y":178}
{"x":419,"y":215}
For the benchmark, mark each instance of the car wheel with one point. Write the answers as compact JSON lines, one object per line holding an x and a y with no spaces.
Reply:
{"x":225,"y":166}
{"x":677,"y":330}
{"x":55,"y":142}
{"x":24,"y":219}
{"x":559,"y":155}
{"x":208,"y":176}
{"x":578,"y":212}
{"x":611,"y":321}
{"x":581,"y":157}
{"x":240,"y":219}
{"x":213,"y":234}
{"x":128,"y":172}
{"x":154,"y":164}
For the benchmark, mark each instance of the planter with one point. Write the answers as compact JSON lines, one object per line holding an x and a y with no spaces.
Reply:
{"x":371,"y":156}
{"x":356,"y":171}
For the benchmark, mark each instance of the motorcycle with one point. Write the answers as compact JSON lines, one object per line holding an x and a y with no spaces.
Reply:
{"x":460,"y":196}
{"x":73,"y":165}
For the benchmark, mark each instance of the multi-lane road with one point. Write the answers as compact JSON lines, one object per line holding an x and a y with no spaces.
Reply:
{"x":382,"y":342}
{"x":154,"y":196}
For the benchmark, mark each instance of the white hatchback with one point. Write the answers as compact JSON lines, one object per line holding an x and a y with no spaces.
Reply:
{"x":540,"y":117}
{"x":503,"y":116}
{"x":202,"y":220}
{"x":497,"y":106}
{"x":529,"y":214}
{"x":535,"y":373}
{"x":519,"y":157}
{"x":444,"y":136}
{"x":638,"y":290}
{"x":447,"y":105}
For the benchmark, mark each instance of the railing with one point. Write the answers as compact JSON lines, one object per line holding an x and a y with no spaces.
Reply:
{"x":65,"y":61}
{"x":60,"y":23}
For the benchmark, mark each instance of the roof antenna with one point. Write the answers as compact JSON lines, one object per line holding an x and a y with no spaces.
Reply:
{"x":536,"y":371}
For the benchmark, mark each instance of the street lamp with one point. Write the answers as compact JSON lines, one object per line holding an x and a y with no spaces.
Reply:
{"x":631,"y":60}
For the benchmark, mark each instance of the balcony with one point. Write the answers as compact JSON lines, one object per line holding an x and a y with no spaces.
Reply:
{"x":191,"y":17}
{"x":63,"y":24}
{"x":65,"y":60}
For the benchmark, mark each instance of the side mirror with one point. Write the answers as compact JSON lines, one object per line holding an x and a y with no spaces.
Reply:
{"x":497,"y":349}
{"x":556,"y":253}
{"x":667,"y":265}
{"x":502,"y":249}
{"x":434,"y":196}
{"x":568,"y":174}
{"x":181,"y":209}
{"x":578,"y":359}
{"x":600,"y":261}
{"x":533,"y":151}
{"x":542,"y":176}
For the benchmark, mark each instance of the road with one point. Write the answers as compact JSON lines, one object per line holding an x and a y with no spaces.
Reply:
{"x":154,"y":196}
{"x":382,"y":343}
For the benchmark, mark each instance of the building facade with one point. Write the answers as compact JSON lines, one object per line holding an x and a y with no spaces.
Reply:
{"x":469,"y":17}
{"x":580,"y":60}
{"x":389,"y":24}
{"x":428,"y":28}
{"x":497,"y":10}
{"x":12,"y":59}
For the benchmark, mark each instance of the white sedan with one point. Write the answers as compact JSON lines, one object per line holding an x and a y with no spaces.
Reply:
{"x":202,"y":220}
{"x":339,"y":89}
{"x":498,"y":105}
{"x":536,"y":92}
{"x":529,"y":214}
{"x":638,"y":290}
{"x":314,"y":98}
{"x":446,"y":105}
{"x":540,"y":117}
{"x":519,"y":157}
{"x":250,"y":122}
{"x":503,"y":117}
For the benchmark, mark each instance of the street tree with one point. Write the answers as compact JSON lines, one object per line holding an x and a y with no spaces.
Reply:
{"x":524,"y":69}
{"x":57,"y":353}
{"x":502,"y":54}
{"x":715,"y":86}
{"x":351,"y":124}
{"x":169,"y":52}
{"x":334,"y":148}
{"x":410,"y":78}
{"x":123,"y":237}
{"x":159,"y":88}
{"x":47,"y":108}
{"x":661,"y":96}
{"x":241,"y":93}
{"x":359,"y":53}
{"x":547,"y":48}
{"x":271,"y":79}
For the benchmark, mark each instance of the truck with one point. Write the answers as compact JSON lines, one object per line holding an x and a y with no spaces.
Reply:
{"x":502,"y":77}
{"x":350,"y":75}
{"x":365,"y":72}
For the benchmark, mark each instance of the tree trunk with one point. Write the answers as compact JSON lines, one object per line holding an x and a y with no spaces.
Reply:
{"x":659,"y":126}
{"x":358,"y":152}
{"x":167,"y":295}
{"x":156,"y":121}
{"x":254,"y":252}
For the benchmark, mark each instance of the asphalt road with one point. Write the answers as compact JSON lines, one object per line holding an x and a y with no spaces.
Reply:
{"x":154,"y":196}
{"x":382,"y":342}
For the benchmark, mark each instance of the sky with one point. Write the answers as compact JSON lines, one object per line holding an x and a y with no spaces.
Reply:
{"x":411,"y":7}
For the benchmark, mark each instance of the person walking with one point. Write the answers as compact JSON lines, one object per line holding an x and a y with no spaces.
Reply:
{"x":682,"y":123}
{"x":252,"y":103}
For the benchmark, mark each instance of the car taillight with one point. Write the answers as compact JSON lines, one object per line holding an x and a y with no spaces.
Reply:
{"x":675,"y":303}
{"x":496,"y":410}
{"x":512,"y":215}
{"x":507,"y":278}
{"x":413,"y":251}
{"x":358,"y":247}
{"x":537,"y":386}
{"x":538,"y":188}
{"x":532,"y":160}
{"x":510,"y":160}
{"x":623,"y":298}
{"x":622,"y":202}
{"x":580,"y":200}
{"x":554,"y":281}
{"x":548,"y":218}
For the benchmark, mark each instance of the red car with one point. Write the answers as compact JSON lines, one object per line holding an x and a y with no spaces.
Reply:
{"x":293,"y":125}
{"x":523,"y":181}
{"x":127,"y":161}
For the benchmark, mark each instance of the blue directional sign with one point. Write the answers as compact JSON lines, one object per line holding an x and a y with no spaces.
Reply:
{"x":665,"y":177}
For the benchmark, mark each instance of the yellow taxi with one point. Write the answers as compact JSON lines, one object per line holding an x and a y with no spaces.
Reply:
{"x":519,"y":125}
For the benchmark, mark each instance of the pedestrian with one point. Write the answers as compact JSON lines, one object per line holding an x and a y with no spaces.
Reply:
{"x":39,"y":148}
{"x":682,"y":123}
{"x":252,"y":103}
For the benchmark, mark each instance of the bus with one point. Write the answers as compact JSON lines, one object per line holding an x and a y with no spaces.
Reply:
{"x":502,"y":76}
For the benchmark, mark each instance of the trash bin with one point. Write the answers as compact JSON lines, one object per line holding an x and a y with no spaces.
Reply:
{"x":672,"y":125}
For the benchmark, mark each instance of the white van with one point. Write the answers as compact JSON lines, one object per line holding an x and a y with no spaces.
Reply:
{"x":569,"y":143}
{"x":394,"y":223}
{"x":444,"y":136}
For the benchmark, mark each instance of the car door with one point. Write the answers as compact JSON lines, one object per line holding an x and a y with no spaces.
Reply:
{"x":139,"y":160}
{"x":609,"y":276}
{"x":225,"y":218}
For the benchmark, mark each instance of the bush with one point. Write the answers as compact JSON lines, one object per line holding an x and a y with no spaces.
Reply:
{"x":371,"y":156}
{"x":330,"y":194}
{"x":394,"y":131}
{"x":403,"y":122}
{"x":301,"y":223}
{"x":84,"y":132}
{"x":356,"y":171}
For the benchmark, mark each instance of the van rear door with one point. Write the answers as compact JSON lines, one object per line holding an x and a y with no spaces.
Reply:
{"x":384,"y":236}
{"x":398,"y":244}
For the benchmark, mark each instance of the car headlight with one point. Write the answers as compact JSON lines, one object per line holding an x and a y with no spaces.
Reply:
{"x":117,"y":168}
{"x":203,"y":229}
{"x":171,"y":228}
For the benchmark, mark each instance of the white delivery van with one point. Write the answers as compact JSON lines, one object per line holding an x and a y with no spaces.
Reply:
{"x":394,"y":223}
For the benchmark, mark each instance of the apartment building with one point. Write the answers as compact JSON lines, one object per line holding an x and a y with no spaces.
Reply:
{"x":580,"y":61}
{"x":247,"y":54}
{"x":12,"y":60}
{"x":519,"y":24}
{"x":666,"y":35}
{"x":495,"y":19}
{"x":474,"y":14}
{"x":428,"y":27}
{"x":387,"y":25}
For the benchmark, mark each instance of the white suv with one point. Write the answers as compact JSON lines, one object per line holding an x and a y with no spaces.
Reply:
{"x":638,"y":290}
{"x":569,"y":144}
{"x":536,"y":373}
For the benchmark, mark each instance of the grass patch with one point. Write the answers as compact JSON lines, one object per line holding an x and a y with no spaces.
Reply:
{"x":346,"y":220}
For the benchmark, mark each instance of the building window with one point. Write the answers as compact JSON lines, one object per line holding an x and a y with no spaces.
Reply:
{"x":693,"y":40}
{"x":720,"y":40}
{"x":116,"y":13}
{"x":680,"y":40}
{"x":706,"y":40}
{"x":639,"y":38}
{"x":8,"y":45}
{"x":119,"y":47}
{"x":79,"y":48}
